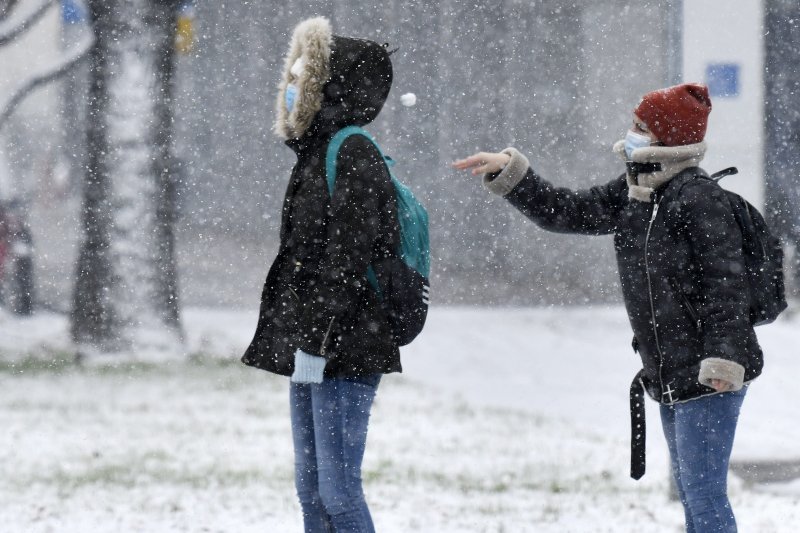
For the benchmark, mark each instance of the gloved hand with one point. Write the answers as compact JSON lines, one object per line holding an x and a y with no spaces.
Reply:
{"x":308,"y":368}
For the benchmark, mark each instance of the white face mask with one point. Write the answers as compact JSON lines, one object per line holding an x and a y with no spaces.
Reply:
{"x":635,"y":140}
{"x":290,"y":96}
{"x":292,"y":90}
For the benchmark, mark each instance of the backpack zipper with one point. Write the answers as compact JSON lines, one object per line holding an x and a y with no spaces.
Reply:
{"x":650,"y":293}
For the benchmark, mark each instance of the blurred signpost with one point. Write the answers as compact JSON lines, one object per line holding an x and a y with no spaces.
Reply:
{"x":73,"y":12}
{"x":184,"y":32}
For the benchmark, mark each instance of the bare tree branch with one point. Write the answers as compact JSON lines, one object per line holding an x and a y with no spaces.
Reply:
{"x":52,"y":72}
{"x":5,"y":8}
{"x":11,"y":29}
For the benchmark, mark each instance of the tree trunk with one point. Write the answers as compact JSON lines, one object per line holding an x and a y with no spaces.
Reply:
{"x":782,"y":156}
{"x":5,"y":7}
{"x":166,"y":168}
{"x":126,"y":290}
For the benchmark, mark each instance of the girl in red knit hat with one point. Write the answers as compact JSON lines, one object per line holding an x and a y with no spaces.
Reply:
{"x":682,"y":272}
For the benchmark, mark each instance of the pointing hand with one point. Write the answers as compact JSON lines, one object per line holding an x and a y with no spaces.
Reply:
{"x":483,"y":163}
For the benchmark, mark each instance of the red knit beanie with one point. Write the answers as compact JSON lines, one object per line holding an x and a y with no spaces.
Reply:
{"x":676,"y":115}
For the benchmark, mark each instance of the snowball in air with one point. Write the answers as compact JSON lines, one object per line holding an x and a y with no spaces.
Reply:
{"x":408,"y":99}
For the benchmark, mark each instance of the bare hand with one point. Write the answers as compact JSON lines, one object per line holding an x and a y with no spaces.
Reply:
{"x":483,"y":163}
{"x":720,"y":385}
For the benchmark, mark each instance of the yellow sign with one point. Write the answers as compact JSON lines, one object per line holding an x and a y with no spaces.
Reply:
{"x":184,"y":32}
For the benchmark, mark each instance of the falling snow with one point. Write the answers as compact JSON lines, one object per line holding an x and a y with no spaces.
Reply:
{"x":157,"y":228}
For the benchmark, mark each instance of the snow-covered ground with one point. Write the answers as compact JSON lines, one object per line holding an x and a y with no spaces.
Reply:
{"x":504,"y":420}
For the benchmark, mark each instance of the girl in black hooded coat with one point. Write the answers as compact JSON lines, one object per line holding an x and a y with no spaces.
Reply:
{"x":320,"y":322}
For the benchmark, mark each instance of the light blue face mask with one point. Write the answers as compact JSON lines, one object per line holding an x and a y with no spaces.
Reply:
{"x":635,"y":140}
{"x":290,"y":96}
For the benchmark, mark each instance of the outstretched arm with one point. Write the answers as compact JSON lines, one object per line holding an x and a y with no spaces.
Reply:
{"x":591,"y":211}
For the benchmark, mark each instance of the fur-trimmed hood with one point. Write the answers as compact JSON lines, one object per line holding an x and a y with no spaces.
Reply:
{"x":341,"y":81}
{"x":673,"y":159}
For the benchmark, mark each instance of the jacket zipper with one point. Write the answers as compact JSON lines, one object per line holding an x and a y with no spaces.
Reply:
{"x":650,"y":294}
{"x":325,"y":338}
{"x":294,"y":293}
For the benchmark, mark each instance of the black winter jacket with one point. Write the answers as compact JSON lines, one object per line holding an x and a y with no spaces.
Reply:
{"x":316,"y":296}
{"x":681,"y":269}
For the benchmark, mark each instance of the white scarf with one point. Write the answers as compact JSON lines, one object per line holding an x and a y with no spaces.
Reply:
{"x":673,"y":159}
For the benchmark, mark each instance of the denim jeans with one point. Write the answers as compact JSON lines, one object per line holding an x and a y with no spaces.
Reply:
{"x":700,"y":438}
{"x":329,"y":427}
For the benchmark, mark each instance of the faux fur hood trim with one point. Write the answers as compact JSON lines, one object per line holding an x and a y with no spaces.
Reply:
{"x":311,"y":40}
{"x":673,"y":160}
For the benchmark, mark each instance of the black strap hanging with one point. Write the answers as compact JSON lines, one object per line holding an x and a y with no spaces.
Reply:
{"x":638,"y":427}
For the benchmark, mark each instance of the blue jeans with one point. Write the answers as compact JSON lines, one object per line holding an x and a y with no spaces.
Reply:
{"x":700,"y":438}
{"x":329,"y":427}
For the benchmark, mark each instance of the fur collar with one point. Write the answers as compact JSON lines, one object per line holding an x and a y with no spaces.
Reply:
{"x":673,"y":159}
{"x":311,"y":41}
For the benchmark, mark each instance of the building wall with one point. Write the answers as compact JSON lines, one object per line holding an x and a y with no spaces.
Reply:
{"x":725,"y":46}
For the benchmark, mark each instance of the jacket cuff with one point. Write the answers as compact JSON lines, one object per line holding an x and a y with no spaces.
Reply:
{"x":504,"y":182}
{"x":308,"y":368}
{"x":716,"y":368}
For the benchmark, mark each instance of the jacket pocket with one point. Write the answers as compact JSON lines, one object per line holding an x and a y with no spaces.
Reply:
{"x":687,"y":305}
{"x":288,"y":310}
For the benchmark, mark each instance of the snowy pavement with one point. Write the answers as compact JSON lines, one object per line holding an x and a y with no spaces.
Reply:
{"x":504,"y":420}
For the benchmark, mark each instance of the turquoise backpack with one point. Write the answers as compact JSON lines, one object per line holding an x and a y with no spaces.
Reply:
{"x":402,"y":281}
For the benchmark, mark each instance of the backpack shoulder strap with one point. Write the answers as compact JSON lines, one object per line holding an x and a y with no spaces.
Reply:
{"x":716,"y":176}
{"x":675,"y":189}
{"x":690,"y":174}
{"x":331,"y":156}
{"x":335,"y":145}
{"x":685,"y":177}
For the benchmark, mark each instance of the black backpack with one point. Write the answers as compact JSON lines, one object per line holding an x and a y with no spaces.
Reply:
{"x":763,"y":256}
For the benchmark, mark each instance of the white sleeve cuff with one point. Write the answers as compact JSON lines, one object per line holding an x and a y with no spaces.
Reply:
{"x":504,"y":182}
{"x":716,"y":368}
{"x":308,"y":368}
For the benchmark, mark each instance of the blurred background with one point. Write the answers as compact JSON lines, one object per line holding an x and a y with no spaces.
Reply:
{"x":557,"y":80}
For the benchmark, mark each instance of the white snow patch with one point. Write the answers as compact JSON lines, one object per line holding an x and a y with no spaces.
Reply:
{"x":515,"y":419}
